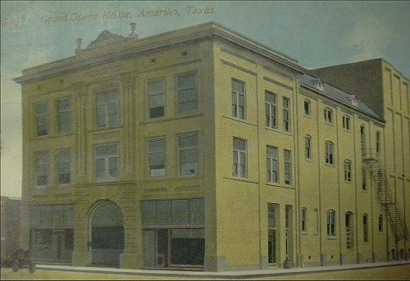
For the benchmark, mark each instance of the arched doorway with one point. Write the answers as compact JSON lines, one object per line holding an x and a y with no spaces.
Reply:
{"x":106,"y":234}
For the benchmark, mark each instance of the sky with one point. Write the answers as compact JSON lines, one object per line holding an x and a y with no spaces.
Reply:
{"x":315,"y":33}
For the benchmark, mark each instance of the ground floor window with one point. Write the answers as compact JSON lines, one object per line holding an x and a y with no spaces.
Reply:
{"x":52,"y":233}
{"x":174,"y":233}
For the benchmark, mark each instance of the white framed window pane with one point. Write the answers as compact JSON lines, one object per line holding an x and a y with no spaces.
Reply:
{"x":42,"y":119}
{"x":64,"y":116}
{"x":42,"y":168}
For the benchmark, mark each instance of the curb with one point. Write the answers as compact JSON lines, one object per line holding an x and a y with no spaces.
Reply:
{"x":220,"y":275}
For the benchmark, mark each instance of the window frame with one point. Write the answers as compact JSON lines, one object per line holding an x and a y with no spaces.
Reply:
{"x":308,"y":147}
{"x":329,"y":153}
{"x":105,"y":106}
{"x":162,"y":95}
{"x":195,"y":92}
{"x":194,"y":148}
{"x":236,"y":101}
{"x":61,"y":113}
{"x":271,"y":110}
{"x":346,"y":122}
{"x":347,"y":167}
{"x":303,"y":220}
{"x":328,"y":115}
{"x":307,"y":107}
{"x":42,"y":119}
{"x":107,"y":158}
{"x":287,"y":117}
{"x":365,"y":228}
{"x":272,"y":164}
{"x":42,"y":168}
{"x":162,"y":151}
{"x":59,"y":169}
{"x":240,"y":155}
{"x":287,"y":155}
{"x":331,"y":223}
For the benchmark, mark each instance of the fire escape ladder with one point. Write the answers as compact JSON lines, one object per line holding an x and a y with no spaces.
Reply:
{"x":386,"y":198}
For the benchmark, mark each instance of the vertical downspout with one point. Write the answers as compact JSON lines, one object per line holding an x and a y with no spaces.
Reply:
{"x":297,"y":187}
{"x":320,"y":185}
{"x":259,"y":173}
{"x":340,"y":162}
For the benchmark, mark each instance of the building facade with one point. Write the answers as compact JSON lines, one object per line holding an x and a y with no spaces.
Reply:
{"x":196,"y":149}
{"x":10,"y":225}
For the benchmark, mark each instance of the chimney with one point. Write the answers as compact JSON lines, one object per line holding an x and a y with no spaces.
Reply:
{"x":133,"y":33}
{"x":354,"y":101}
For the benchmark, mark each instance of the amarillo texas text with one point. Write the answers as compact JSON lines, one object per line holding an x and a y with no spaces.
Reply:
{"x":113,"y":15}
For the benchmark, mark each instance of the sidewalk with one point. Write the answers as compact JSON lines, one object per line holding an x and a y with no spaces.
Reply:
{"x":245,"y":274}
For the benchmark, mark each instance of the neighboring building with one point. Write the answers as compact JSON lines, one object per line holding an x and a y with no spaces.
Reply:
{"x":196,"y":149}
{"x":386,"y":91}
{"x":10,"y":225}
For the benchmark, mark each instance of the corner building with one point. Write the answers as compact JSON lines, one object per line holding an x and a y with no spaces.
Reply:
{"x":196,"y":149}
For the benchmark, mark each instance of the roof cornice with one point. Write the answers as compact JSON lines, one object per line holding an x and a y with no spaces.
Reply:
{"x":134,"y":47}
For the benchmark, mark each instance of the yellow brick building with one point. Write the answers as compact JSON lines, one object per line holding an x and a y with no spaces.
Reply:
{"x":197,"y":149}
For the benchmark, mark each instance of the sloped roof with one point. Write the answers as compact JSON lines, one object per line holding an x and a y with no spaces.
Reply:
{"x":336,"y":94}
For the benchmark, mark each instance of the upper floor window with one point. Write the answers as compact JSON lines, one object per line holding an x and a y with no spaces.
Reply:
{"x":286,"y":114}
{"x":156,"y":99}
{"x":307,"y":107}
{"x":329,"y":153}
{"x":328,"y":115}
{"x":304,"y":219}
{"x":346,"y":122}
{"x":107,"y":162}
{"x":42,"y":168}
{"x":270,"y":107}
{"x":64,"y":116}
{"x":188,"y":155}
{"x":42,"y":119}
{"x":238,"y":99}
{"x":288,"y":166}
{"x":239,"y":158}
{"x":363,"y":139}
{"x":331,"y":223}
{"x":365,"y":229}
{"x":272,"y":163}
{"x":108,"y":110}
{"x":378,"y":142}
{"x":348,"y":170}
{"x":187,"y":94}
{"x":364,"y":179}
{"x":64,"y":166}
{"x":381,"y":223}
{"x":157,"y":159}
{"x":308,"y":147}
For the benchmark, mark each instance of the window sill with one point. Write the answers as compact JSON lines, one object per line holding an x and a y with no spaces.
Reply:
{"x":331,"y":238}
{"x":240,"y":179}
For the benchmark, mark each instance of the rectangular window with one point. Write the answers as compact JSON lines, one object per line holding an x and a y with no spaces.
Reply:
{"x":272,"y":163}
{"x":42,"y":168}
{"x":307,"y":107}
{"x":380,"y":223}
{"x":304,"y":219}
{"x":308,"y":147}
{"x":108,"y":110}
{"x":331,"y":223}
{"x":270,"y":107}
{"x":107,"y":162}
{"x":238,"y":99}
{"x":365,"y":229}
{"x":273,"y":242}
{"x":188,"y":155}
{"x":239,"y":158}
{"x":378,"y":142}
{"x":64,"y":166}
{"x":348,"y":170}
{"x":329,"y":153}
{"x":157,"y":159}
{"x":364,"y":179}
{"x":286,"y":114}
{"x":316,"y":218}
{"x":288,"y":166}
{"x":187,"y":94}
{"x":346,"y":122}
{"x":64,"y":116}
{"x":42,"y":119}
{"x":156,"y":99}
{"x":328,"y":115}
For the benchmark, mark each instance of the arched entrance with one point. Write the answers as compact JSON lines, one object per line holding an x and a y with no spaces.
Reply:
{"x":106,"y":234}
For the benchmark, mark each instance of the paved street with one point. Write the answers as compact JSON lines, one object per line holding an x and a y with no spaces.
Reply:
{"x":396,"y":272}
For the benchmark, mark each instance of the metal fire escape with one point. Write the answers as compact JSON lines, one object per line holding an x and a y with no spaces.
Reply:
{"x":385,"y":196}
